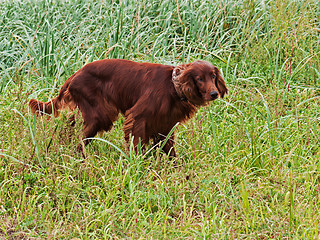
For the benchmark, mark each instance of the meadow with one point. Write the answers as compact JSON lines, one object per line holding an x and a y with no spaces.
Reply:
{"x":248,"y":164}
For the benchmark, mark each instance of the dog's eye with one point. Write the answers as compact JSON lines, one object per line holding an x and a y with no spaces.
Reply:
{"x":213,"y":76}
{"x":200,"y":79}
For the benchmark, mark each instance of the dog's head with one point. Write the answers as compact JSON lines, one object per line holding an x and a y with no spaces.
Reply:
{"x":198,"y":82}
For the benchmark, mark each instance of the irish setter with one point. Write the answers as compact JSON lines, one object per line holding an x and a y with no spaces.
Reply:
{"x":152,"y":97}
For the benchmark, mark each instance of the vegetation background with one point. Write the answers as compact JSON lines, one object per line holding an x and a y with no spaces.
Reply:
{"x":248,"y":164}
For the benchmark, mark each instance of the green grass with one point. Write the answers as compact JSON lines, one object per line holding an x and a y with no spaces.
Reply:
{"x":248,"y":165}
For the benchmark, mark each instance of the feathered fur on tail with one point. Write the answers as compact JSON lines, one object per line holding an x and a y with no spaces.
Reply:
{"x":42,"y":107}
{"x":62,"y":101}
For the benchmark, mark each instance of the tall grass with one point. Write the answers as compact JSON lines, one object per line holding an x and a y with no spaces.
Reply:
{"x":248,"y":165}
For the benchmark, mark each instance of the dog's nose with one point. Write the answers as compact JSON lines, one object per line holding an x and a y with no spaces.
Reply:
{"x":214,"y":94}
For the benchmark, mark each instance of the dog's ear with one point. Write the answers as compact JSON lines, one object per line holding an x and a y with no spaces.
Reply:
{"x":177,"y":78}
{"x":189,"y":88}
{"x":184,"y":84}
{"x":191,"y":91}
{"x":221,"y":85}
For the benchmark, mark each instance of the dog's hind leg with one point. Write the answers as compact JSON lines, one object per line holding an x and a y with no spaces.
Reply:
{"x":96,"y":119}
{"x":135,"y":127}
{"x":90,"y":130}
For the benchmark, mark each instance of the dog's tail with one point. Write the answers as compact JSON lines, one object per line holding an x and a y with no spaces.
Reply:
{"x":53,"y":106}
{"x":44,"y":107}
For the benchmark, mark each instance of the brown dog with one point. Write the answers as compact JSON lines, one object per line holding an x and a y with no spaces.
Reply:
{"x":152,"y":97}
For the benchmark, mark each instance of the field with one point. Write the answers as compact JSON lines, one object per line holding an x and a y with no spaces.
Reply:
{"x":248,"y":164}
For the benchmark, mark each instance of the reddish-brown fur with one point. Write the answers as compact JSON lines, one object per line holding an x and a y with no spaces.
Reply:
{"x":152,"y":97}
